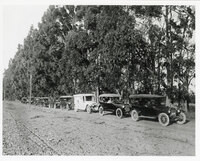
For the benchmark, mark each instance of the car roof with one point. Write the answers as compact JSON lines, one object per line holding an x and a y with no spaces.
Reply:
{"x":44,"y":97}
{"x":84,"y":94}
{"x":145,"y":96}
{"x":109,"y":95}
{"x":66,"y":96}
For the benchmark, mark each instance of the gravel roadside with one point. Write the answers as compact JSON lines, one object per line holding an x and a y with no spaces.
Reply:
{"x":43,"y":131}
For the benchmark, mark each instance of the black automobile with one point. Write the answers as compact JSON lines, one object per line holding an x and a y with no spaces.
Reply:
{"x":111,"y":102}
{"x":155,"y":106}
{"x":64,"y":102}
{"x":37,"y":101}
{"x":44,"y":101}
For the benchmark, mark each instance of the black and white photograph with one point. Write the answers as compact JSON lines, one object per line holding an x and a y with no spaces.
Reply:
{"x":99,"y":80}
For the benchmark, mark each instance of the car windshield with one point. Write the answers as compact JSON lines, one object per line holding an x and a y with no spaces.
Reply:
{"x":115,"y":100}
{"x":89,"y":98}
{"x":110,"y":99}
{"x":65,"y":99}
{"x":46,"y":100}
{"x":160,"y":101}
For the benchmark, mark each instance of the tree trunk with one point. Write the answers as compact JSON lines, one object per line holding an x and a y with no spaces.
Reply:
{"x":30,"y":88}
{"x":159,"y":71}
{"x":169,"y":53}
{"x":188,"y":96}
{"x":167,"y":45}
{"x":97,"y":94}
{"x":74,"y":80}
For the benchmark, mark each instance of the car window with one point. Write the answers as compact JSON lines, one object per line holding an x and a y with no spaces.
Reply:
{"x":104,"y":99}
{"x":160,"y":101}
{"x":115,"y":100}
{"x":134,"y":101}
{"x":68,"y":99}
{"x":89,"y":98}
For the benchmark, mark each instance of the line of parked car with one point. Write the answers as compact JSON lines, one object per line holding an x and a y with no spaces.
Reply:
{"x":139,"y":106}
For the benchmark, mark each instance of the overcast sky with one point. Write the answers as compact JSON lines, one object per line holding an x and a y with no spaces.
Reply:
{"x":17,"y":21}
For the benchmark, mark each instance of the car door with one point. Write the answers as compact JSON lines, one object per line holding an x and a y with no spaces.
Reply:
{"x":84,"y":102}
{"x":147,"y":108}
{"x":78,"y":102}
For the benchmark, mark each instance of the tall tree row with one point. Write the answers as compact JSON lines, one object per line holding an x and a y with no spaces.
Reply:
{"x":121,"y":49}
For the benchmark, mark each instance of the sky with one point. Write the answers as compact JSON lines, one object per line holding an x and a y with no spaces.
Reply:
{"x":17,"y":20}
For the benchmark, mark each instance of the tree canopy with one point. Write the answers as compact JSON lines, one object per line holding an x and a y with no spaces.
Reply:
{"x":120,"y":49}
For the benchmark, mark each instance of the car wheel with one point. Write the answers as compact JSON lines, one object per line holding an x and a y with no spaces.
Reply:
{"x":75,"y":109}
{"x":88,"y":109}
{"x":163,"y":119}
{"x":134,"y":115}
{"x":182,"y":118}
{"x":67,"y":107}
{"x":119,"y":113}
{"x":101,"y":111}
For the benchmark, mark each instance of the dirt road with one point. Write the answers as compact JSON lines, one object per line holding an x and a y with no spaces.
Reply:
{"x":42,"y":131}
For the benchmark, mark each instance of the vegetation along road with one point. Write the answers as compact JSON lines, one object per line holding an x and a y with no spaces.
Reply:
{"x":43,"y":131}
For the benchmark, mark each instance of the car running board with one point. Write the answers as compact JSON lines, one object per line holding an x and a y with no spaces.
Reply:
{"x":149,"y":117}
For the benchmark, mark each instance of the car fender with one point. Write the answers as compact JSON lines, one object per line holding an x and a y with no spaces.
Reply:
{"x":137,"y":109}
{"x":91,"y":105}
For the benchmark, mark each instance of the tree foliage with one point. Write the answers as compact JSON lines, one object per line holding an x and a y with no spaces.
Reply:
{"x":124,"y":49}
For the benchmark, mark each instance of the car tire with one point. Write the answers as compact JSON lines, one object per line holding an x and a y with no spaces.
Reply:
{"x":163,"y":119}
{"x":182,"y":118}
{"x":119,"y":113}
{"x":75,"y":109}
{"x":134,"y":115}
{"x":88,"y":109}
{"x":67,"y":107}
{"x":101,"y":111}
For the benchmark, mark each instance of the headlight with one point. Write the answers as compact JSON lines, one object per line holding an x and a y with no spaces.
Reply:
{"x":169,"y":111}
{"x":123,"y":106}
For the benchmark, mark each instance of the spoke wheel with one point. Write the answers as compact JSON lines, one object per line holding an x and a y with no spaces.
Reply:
{"x":182,"y":118}
{"x":163,"y":119}
{"x":119,"y":113}
{"x":67,"y":107}
{"x":88,"y":109}
{"x":101,"y":111}
{"x":134,"y":115}
{"x":75,"y":109}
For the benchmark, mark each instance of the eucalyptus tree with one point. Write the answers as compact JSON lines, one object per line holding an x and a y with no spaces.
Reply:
{"x":112,"y":39}
{"x":183,"y":27}
{"x":108,"y":48}
{"x":50,"y":50}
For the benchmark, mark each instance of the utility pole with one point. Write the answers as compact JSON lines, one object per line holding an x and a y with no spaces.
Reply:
{"x":30,"y":70}
{"x":30,"y":89}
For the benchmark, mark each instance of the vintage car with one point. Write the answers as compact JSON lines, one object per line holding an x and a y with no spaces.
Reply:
{"x":57,"y":103}
{"x":26,"y":100}
{"x":44,"y":101}
{"x":111,"y":102}
{"x":85,"y":102}
{"x":155,"y":107}
{"x":37,"y":101}
{"x":64,"y":102}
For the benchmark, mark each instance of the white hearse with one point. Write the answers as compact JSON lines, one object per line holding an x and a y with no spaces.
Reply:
{"x":85,"y":102}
